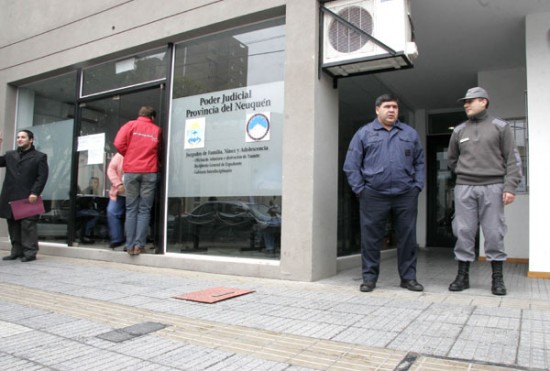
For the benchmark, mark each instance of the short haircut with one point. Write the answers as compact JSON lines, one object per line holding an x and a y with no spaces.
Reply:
{"x":386,"y":98}
{"x":147,"y":111}
{"x":30,"y":134}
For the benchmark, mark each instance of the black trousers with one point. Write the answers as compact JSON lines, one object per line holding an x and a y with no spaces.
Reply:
{"x":24,"y":237}
{"x":374,"y":210}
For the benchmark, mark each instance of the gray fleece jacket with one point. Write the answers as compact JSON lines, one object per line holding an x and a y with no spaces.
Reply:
{"x":482,"y":151}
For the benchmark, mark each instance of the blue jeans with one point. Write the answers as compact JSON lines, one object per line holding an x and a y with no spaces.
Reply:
{"x":115,"y":215}
{"x":140,"y":195}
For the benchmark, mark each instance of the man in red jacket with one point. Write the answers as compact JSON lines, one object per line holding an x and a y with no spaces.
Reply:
{"x":139,"y":142}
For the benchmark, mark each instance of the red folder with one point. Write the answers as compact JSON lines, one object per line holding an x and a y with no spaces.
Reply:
{"x":24,"y":209}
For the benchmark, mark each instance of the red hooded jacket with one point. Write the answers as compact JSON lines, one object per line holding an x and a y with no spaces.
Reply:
{"x":139,"y":142}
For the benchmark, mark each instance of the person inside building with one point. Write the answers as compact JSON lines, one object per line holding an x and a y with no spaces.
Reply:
{"x":483,"y":155}
{"x":87,"y":214}
{"x":139,"y":142}
{"x":117,"y":202}
{"x":26,"y":177}
{"x":385,"y":169}
{"x":93,"y":187}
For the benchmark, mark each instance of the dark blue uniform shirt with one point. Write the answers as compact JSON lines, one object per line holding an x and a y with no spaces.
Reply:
{"x":385,"y":162}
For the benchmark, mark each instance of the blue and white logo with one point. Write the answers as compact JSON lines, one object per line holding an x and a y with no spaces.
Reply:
{"x":258,"y":127}
{"x":194,"y":133}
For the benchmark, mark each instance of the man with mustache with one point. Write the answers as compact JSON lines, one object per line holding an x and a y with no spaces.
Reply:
{"x":385,"y":169}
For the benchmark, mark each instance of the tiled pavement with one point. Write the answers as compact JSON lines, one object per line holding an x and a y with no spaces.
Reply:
{"x":61,"y":313}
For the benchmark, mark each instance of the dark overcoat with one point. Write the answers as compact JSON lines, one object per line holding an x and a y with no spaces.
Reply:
{"x":24,"y":175}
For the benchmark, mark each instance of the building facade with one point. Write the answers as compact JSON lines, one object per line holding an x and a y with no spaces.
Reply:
{"x":254,"y":130}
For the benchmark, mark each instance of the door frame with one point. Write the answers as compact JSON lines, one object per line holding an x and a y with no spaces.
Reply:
{"x":158,"y":211}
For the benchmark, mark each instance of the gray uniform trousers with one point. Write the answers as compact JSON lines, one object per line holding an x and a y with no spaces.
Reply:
{"x":479,"y":205}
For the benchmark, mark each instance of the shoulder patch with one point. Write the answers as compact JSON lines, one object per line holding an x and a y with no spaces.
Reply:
{"x":499,"y":122}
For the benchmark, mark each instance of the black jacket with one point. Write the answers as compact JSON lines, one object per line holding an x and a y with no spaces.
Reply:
{"x":25,"y":175}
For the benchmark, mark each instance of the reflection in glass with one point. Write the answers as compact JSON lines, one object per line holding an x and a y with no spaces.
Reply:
{"x":224,"y":188}
{"x":224,"y":226}
{"x":46,"y":108}
{"x":130,"y":71}
{"x":248,"y":56}
{"x":519,"y":126}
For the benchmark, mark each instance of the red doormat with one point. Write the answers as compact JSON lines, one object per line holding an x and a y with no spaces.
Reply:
{"x":214,"y":294}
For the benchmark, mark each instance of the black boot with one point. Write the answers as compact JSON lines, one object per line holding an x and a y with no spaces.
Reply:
{"x":462,"y":280}
{"x":497,"y":287}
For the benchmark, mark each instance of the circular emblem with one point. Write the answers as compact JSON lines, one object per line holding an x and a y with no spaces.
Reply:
{"x":257,"y":126}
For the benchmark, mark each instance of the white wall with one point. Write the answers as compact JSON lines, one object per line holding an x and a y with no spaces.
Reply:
{"x":506,"y":90}
{"x":538,"y":82}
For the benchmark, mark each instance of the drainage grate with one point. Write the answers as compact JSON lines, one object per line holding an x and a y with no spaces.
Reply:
{"x":407,"y":362}
{"x":130,"y":332}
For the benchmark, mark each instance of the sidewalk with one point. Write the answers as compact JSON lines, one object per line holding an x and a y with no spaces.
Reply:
{"x":60,"y":313}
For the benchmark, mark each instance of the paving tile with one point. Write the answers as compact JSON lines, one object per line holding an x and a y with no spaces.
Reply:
{"x":283,"y":326}
{"x":375,"y":338}
{"x":8,"y":329}
{"x":533,"y":358}
{"x":97,"y":359}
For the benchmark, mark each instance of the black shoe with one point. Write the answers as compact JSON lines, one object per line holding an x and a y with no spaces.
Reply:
{"x":412,"y":285}
{"x":28,"y":259}
{"x":10,"y":257}
{"x":114,"y":245}
{"x":367,"y":286}
{"x":87,"y":241}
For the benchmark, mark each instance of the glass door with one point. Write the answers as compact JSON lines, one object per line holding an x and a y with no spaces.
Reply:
{"x":440,"y":186}
{"x":100,"y":121}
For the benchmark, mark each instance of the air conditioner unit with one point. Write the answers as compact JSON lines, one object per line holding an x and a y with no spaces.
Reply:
{"x":362,"y":36}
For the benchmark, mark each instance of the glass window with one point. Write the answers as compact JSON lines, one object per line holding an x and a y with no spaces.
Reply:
{"x":47,"y":109}
{"x":225,"y":143}
{"x":130,"y":71}
{"x":519,"y":126}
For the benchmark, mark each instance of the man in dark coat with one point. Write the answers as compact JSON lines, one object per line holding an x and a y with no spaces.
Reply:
{"x":26,"y":176}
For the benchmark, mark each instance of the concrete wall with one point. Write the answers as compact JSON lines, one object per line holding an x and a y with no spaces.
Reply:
{"x":310,"y":153}
{"x":59,"y":35}
{"x":83,"y":34}
{"x":507,"y":89}
{"x":538,"y":82}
